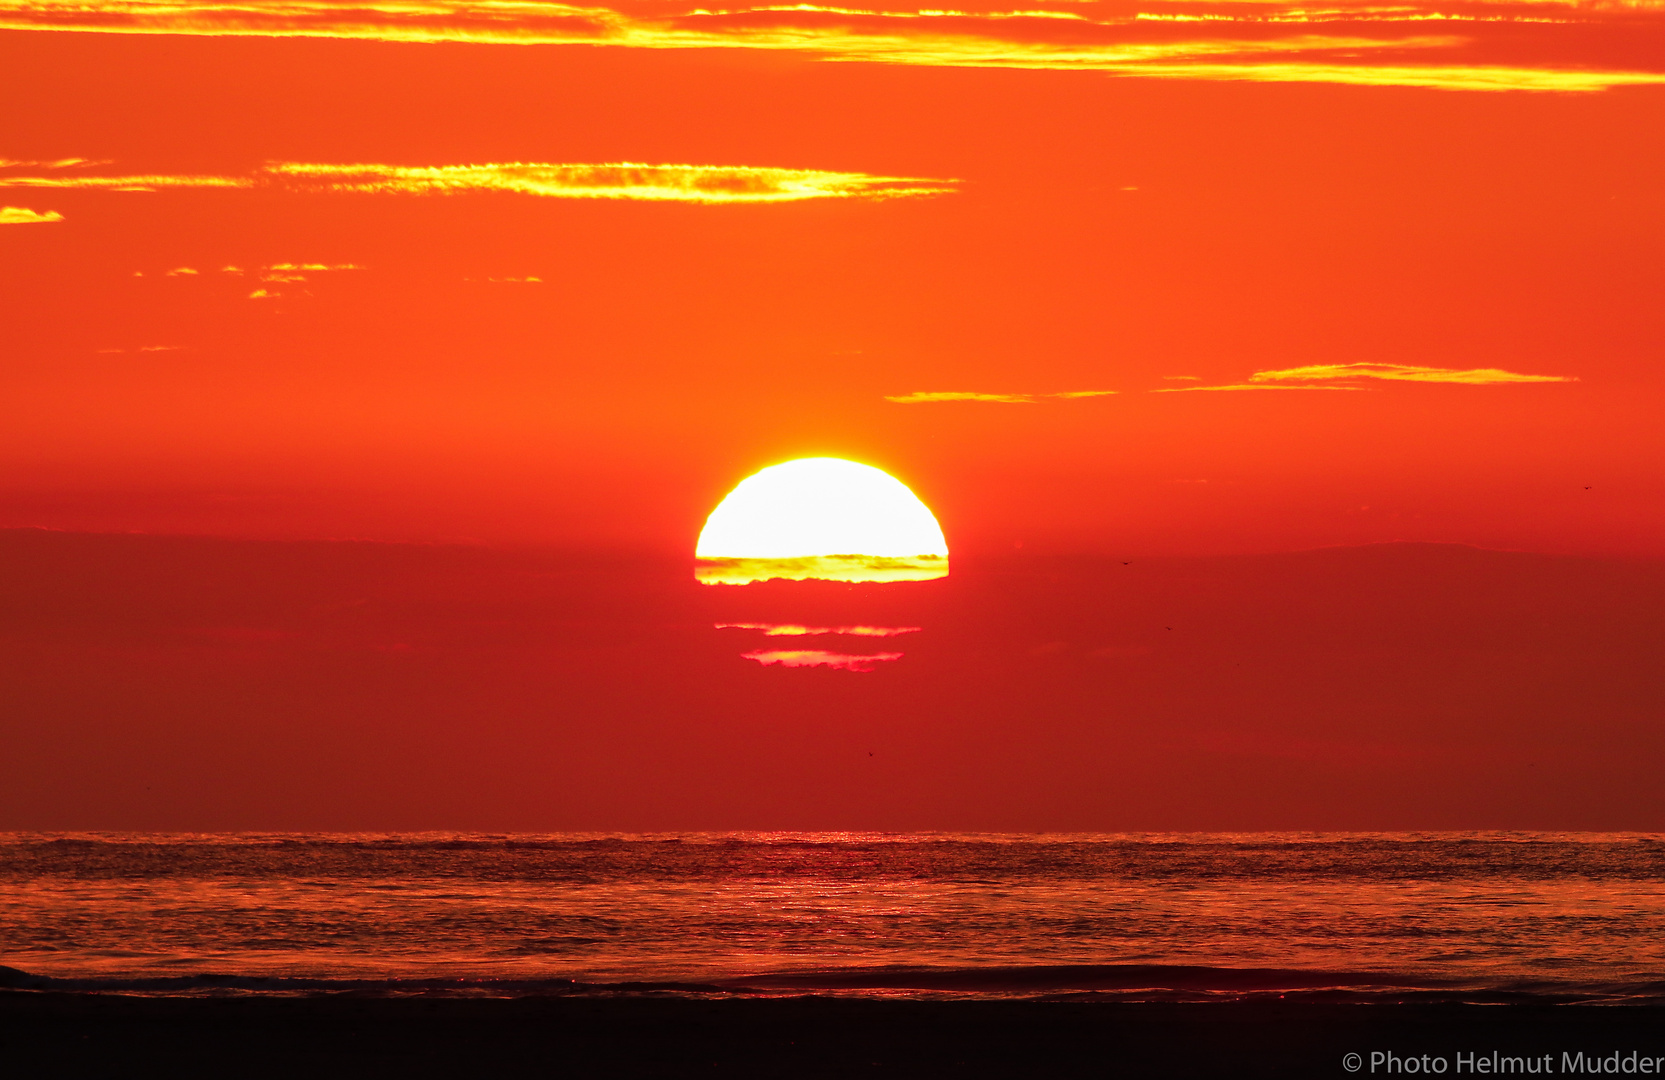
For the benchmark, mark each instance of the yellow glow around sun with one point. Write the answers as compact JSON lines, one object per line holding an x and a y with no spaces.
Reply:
{"x":822,"y":518}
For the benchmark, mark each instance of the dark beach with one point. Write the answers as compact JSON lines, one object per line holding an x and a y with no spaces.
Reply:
{"x":60,"y":1034}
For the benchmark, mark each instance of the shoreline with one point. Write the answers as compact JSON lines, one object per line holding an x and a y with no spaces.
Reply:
{"x":79,"y":1034}
{"x":1067,"y":983}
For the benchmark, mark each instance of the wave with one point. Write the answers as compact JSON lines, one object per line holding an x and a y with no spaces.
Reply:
{"x":1111,"y":982}
{"x":1202,"y":983}
{"x":209,"y":983}
{"x":1263,"y":838}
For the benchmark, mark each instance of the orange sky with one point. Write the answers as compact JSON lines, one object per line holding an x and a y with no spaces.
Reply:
{"x":1145,"y":300}
{"x":980,"y":250}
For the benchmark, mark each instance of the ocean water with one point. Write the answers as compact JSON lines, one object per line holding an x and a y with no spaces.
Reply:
{"x":1471,"y":916}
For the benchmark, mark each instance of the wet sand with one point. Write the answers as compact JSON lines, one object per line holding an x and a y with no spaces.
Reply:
{"x":58,"y":1034}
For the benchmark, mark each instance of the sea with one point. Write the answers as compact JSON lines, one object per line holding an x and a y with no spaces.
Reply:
{"x":1476,"y":916}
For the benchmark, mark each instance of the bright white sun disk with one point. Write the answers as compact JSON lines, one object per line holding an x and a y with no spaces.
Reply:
{"x":836,"y":518}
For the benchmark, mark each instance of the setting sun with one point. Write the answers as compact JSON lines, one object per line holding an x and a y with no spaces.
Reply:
{"x":474,"y":587}
{"x":821,"y":518}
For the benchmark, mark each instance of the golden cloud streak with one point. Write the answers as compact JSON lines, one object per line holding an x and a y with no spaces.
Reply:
{"x":793,"y":658}
{"x":626,"y":180}
{"x":1122,"y":58}
{"x":292,"y":268}
{"x":1403,"y":373}
{"x":926,"y":397}
{"x":60,"y":163}
{"x":796,"y":630}
{"x":22,"y":215}
{"x":1243,"y":386}
{"x":1230,"y":42}
{"x":1432,"y":76}
{"x":125,"y":183}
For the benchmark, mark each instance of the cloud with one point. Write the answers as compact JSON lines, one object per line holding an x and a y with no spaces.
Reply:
{"x":795,"y":630}
{"x":625,"y":180}
{"x":59,"y":163}
{"x":1350,"y":376}
{"x":125,"y":183}
{"x":820,"y":658}
{"x":288,"y":273}
{"x":709,"y":184}
{"x":282,"y":273}
{"x":849,"y":568}
{"x":1402,"y":373}
{"x":927,"y":397}
{"x":931,"y":396}
{"x":1472,"y":45}
{"x":1243,"y":386}
{"x":22,"y":215}
{"x":274,"y":278}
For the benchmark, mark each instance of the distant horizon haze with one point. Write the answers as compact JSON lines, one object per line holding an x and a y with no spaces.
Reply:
{"x":209,"y":684}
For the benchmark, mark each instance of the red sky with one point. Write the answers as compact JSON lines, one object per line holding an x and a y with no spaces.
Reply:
{"x":169,"y":683}
{"x":1353,"y":276}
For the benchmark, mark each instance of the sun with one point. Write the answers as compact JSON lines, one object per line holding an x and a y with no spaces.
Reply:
{"x":823,"y":518}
